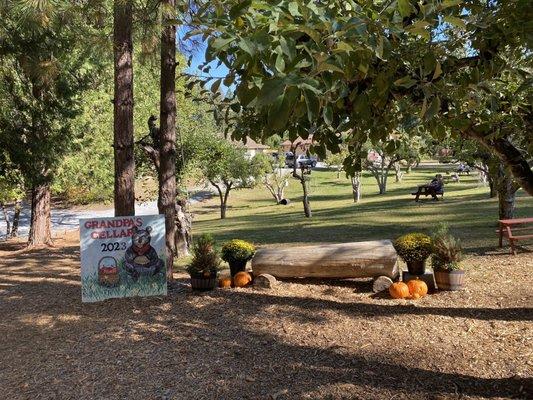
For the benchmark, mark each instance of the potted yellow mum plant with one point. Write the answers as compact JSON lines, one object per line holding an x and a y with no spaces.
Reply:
{"x":237,"y":253}
{"x":414,"y":249}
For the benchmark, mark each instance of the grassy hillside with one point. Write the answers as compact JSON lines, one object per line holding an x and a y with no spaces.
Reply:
{"x":254,"y":216}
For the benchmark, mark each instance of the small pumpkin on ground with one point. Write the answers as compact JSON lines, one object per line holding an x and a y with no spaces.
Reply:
{"x":225,"y":282}
{"x":241,"y":279}
{"x":399,"y":290}
{"x":417,"y":288}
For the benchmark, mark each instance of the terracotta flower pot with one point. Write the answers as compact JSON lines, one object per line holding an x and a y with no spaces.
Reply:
{"x":416,"y":267}
{"x":237,"y":266}
{"x":449,"y":280}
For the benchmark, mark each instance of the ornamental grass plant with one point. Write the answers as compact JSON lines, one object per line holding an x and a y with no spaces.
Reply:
{"x":205,"y":258}
{"x":447,"y":249}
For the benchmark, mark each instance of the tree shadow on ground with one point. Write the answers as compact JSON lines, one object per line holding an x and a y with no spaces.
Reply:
{"x":138,"y":348}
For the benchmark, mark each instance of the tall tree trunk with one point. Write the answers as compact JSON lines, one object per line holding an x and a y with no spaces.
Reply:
{"x":223,"y":196}
{"x":123,"y":109}
{"x":307,"y":206}
{"x":224,"y":204}
{"x":494,"y":171}
{"x":183,"y":238}
{"x":510,"y":156}
{"x":275,"y":191}
{"x":506,"y":193}
{"x":301,"y":177}
{"x":398,"y":172}
{"x":506,"y":202}
{"x":381,"y":174}
{"x":356,"y":187}
{"x":375,"y":172}
{"x":16,"y":218}
{"x":492,"y":187}
{"x":279,"y":194}
{"x":40,"y":232}
{"x":167,"y":133}
{"x":382,"y":181}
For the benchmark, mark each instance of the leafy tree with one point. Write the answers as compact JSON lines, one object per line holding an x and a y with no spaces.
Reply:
{"x":468,"y":152}
{"x":336,"y":160}
{"x":274,"y":176}
{"x":389,"y":154}
{"x":412,"y":154}
{"x":498,"y":176}
{"x":370,"y":67}
{"x":45,"y":68}
{"x":86,"y":174}
{"x":226,"y":167}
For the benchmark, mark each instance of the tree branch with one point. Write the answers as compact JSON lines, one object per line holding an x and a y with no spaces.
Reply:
{"x":510,"y":156}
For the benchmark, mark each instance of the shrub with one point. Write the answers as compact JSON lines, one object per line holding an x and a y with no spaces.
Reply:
{"x":237,"y":250}
{"x":205,"y":259}
{"x":447,"y":250}
{"x":413,"y":247}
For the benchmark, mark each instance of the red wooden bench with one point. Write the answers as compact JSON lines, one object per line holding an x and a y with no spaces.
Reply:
{"x":506,"y":230}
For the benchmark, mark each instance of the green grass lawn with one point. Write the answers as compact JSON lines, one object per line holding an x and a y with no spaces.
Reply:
{"x":253,"y":215}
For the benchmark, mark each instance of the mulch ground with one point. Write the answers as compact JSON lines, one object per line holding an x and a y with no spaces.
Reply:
{"x":301,"y":340}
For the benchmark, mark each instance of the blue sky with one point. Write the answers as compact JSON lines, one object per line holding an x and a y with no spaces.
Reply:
{"x":198,"y":58}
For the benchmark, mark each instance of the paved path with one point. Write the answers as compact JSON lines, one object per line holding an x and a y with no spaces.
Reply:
{"x":68,"y":218}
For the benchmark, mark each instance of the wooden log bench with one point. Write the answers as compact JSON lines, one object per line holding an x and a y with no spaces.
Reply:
{"x":372,"y":259}
{"x":515,"y":230}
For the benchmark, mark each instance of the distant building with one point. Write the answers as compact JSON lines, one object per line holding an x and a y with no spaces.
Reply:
{"x":253,"y":148}
{"x":302,"y":145}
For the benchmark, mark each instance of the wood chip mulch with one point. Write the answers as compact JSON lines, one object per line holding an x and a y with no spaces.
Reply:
{"x":300,"y":340}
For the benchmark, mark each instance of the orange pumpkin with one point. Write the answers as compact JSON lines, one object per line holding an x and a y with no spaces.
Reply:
{"x":241,"y":279}
{"x":399,"y":290}
{"x":417,"y":288}
{"x":224,"y":282}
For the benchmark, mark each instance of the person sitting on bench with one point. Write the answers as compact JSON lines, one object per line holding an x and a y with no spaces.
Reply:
{"x":433,"y":188}
{"x":463,"y":169}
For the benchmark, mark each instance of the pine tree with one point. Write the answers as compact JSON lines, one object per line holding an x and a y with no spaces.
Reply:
{"x":45,"y":67}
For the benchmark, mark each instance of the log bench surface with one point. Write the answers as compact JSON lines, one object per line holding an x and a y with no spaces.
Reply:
{"x":345,"y":260}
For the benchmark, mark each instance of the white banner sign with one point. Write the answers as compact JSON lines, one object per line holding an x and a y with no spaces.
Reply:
{"x":122,"y":257}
